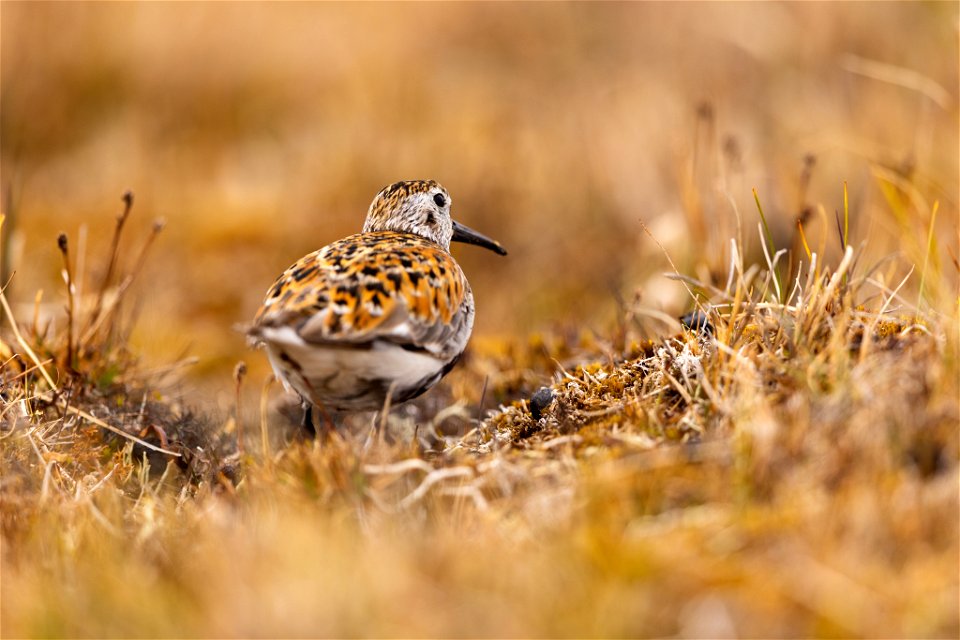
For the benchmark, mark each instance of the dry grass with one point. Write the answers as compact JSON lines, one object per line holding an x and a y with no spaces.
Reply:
{"x":791,"y":472}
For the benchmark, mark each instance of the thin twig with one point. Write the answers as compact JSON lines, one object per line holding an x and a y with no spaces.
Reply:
{"x":264,"y":438}
{"x":433,"y":478}
{"x":239,"y":372}
{"x":64,"y":246}
{"x":114,"y":252}
{"x":696,"y":300}
{"x":115,"y":301}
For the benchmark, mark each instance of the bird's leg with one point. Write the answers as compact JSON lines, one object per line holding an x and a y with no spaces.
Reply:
{"x":307,"y":424}
{"x":328,"y":426}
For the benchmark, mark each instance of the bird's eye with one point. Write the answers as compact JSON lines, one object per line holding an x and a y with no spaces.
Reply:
{"x":439,"y":199}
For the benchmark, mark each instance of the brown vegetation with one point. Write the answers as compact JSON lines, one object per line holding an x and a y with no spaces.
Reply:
{"x":792,"y":470}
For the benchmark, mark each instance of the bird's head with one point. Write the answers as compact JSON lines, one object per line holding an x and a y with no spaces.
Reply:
{"x":422,"y":207}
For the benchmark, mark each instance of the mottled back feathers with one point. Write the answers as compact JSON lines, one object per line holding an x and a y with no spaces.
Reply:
{"x":379,"y":285}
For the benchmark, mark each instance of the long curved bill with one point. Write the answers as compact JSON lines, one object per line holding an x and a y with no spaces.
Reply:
{"x":463,"y":233}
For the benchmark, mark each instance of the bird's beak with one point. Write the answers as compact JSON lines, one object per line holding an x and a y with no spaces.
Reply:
{"x":463,"y":233}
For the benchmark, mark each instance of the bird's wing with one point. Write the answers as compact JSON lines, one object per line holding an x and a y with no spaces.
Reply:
{"x":374,"y":286}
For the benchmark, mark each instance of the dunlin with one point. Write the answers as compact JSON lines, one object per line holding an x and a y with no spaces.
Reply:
{"x":381,"y":314}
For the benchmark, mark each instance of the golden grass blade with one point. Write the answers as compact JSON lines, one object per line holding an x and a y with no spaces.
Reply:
{"x":900,"y":76}
{"x":931,"y":243}
{"x":23,"y":343}
{"x":803,"y":239}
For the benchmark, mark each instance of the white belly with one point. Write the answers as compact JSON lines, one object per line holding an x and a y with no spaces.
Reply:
{"x":346,"y":377}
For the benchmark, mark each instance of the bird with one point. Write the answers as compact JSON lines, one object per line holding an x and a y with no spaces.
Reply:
{"x":379,"y":317}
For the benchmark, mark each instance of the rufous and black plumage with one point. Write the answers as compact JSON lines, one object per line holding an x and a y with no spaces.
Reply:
{"x":384,"y":312}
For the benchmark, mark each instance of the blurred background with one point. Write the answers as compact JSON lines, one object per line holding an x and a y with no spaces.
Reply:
{"x":261,"y":132}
